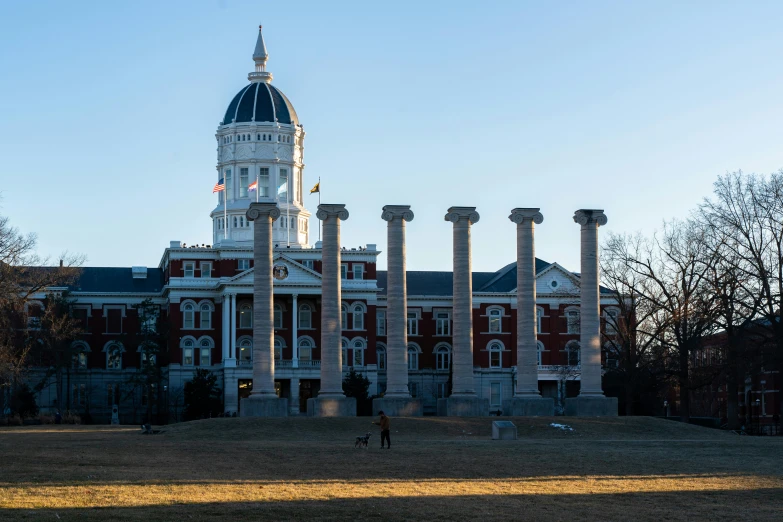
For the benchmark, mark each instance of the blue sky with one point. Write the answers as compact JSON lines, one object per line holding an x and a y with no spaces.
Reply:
{"x":108,"y":112}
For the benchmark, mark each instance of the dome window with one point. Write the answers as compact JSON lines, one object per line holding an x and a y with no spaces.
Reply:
{"x":258,"y":138}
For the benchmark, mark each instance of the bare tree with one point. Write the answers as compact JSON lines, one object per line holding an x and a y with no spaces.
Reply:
{"x":673,"y":267}
{"x":23,"y":275}
{"x":632,"y":335}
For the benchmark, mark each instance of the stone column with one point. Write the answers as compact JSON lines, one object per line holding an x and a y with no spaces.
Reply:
{"x":263,"y":400}
{"x":463,"y":400}
{"x":527,"y":400}
{"x":397,"y":400}
{"x":226,"y":329}
{"x":295,"y":334}
{"x":591,"y":400}
{"x":331,"y":401}
{"x":232,"y":311}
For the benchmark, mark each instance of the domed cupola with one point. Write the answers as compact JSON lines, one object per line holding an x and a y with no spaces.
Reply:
{"x":260,"y":158}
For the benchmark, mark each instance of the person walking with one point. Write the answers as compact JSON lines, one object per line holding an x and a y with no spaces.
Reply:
{"x":384,"y":423}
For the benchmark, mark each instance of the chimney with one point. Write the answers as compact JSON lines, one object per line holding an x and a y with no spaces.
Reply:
{"x":61,"y":263}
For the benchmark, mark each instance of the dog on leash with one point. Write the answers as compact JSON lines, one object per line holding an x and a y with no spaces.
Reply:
{"x":362,"y":441}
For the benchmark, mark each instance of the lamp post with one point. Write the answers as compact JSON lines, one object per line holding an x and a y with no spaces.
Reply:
{"x":758,"y":416}
{"x":666,"y":408}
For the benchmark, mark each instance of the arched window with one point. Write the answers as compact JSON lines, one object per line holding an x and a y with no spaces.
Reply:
{"x":305,"y":316}
{"x":188,"y":344}
{"x":495,"y":354}
{"x":114,"y":351}
{"x":344,"y":344}
{"x":442,"y":357}
{"x":205,"y":346}
{"x":245,"y":316}
{"x":278,"y":348}
{"x":572,"y":320}
{"x":573,"y":351}
{"x":188,"y":316}
{"x":540,"y":350}
{"x":413,"y":357}
{"x":148,"y":354}
{"x":380,"y":353}
{"x":357,"y":347}
{"x":80,"y":350}
{"x":357,"y":311}
{"x":495,"y":320}
{"x":205,"y":316}
{"x":245,"y":350}
{"x":235,"y":222}
{"x":306,"y":346}
{"x":278,"y":316}
{"x":343,"y":316}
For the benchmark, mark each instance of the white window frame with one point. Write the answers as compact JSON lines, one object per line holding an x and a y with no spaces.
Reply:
{"x":343,"y":271}
{"x":380,"y":322}
{"x":305,"y":316}
{"x":243,"y":264}
{"x":277,"y":311}
{"x":357,"y":316}
{"x":206,"y":269}
{"x":188,"y":315}
{"x":357,"y":347}
{"x":540,"y":349}
{"x":205,"y":321}
{"x":245,"y":347}
{"x":412,"y":322}
{"x":495,"y":347}
{"x":306,"y":347}
{"x":413,"y":362}
{"x":539,"y":319}
{"x":343,"y":316}
{"x":279,"y":344}
{"x":245,"y":316}
{"x":442,"y":353}
{"x":442,"y":324}
{"x":244,"y":181}
{"x":263,"y":182}
{"x":205,"y":344}
{"x":358,"y":274}
{"x":308,"y":263}
{"x":189,"y":269}
{"x":111,"y":347}
{"x":495,"y":316}
{"x":188,"y":347}
{"x":573,"y":327}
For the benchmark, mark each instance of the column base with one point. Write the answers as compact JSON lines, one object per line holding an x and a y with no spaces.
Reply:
{"x":463,"y":407}
{"x":529,"y":407}
{"x":331,"y":407}
{"x":229,"y":363}
{"x":595,"y":406}
{"x":263,"y":407}
{"x":402,"y":407}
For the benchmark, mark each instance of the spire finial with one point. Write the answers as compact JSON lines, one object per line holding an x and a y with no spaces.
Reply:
{"x":260,"y":56}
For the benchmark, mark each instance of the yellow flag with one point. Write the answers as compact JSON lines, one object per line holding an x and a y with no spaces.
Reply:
{"x":316,"y":188}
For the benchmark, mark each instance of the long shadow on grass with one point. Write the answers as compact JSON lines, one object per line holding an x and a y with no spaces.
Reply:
{"x":755,"y":504}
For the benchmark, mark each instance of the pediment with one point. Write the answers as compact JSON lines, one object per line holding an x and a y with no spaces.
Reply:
{"x":286,"y":272}
{"x":555,"y":279}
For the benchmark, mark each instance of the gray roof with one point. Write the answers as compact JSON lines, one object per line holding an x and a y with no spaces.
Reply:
{"x":118,"y":280}
{"x":441,"y":283}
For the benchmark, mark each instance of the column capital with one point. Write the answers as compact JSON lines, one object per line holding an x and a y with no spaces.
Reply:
{"x":259,"y":210}
{"x":403,"y":212}
{"x":455,"y":214}
{"x":326,"y":210}
{"x":590,"y":217}
{"x":521,"y":215}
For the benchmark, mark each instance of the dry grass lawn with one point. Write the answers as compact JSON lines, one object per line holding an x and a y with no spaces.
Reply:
{"x":439,"y":469}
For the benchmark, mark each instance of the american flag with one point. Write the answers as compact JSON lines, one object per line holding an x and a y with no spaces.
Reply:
{"x":220,"y":186}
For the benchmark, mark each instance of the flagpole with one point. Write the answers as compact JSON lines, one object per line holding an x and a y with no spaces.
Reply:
{"x":319,"y":204}
{"x":256,"y":186}
{"x":288,"y":208}
{"x":225,"y":211}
